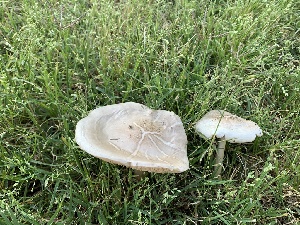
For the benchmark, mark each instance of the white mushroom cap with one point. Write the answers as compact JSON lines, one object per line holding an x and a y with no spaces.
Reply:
{"x":224,"y":124}
{"x":135,"y":136}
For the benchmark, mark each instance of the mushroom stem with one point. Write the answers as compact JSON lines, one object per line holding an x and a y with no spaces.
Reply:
{"x":139,"y":175}
{"x":220,"y":157}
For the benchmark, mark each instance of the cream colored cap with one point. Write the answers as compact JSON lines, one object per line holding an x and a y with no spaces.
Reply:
{"x":135,"y":136}
{"x":224,"y":124}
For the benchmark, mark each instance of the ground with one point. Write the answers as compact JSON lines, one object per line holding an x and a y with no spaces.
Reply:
{"x":61,"y":59}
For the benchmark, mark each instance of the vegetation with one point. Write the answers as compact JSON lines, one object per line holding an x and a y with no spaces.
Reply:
{"x":61,"y":59}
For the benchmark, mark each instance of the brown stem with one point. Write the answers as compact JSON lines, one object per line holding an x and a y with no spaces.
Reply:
{"x":139,"y":175}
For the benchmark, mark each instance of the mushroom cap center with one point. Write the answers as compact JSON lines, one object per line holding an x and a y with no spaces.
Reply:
{"x":141,"y":133}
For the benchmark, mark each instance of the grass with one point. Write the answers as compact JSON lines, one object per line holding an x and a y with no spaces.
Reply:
{"x":61,"y":59}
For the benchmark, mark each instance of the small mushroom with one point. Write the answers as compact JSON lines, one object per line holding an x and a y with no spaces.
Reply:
{"x":135,"y":136}
{"x":226,"y":127}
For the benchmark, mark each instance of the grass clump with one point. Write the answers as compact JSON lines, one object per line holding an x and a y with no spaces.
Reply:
{"x":58,"y":60}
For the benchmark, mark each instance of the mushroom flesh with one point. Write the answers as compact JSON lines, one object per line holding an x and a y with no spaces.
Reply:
{"x":135,"y":136}
{"x":226,"y":127}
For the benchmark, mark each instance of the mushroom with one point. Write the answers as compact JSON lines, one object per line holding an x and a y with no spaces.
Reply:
{"x":135,"y":136}
{"x":226,"y":127}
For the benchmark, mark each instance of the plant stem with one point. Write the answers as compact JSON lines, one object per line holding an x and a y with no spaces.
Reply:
{"x":220,"y":157}
{"x":139,"y":174}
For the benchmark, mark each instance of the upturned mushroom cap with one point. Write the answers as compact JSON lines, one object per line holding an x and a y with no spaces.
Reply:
{"x":135,"y":136}
{"x":224,"y":124}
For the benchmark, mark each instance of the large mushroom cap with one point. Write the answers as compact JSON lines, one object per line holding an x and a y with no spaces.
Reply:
{"x":224,"y":124}
{"x":135,"y":136}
